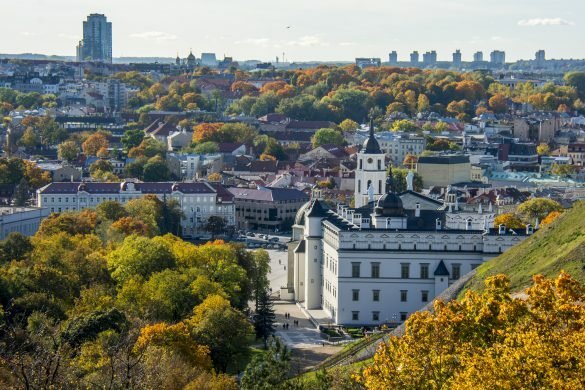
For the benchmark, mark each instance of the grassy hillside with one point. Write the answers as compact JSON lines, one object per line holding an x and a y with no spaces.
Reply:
{"x":560,"y":246}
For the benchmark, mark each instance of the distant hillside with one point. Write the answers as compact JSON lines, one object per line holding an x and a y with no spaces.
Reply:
{"x":560,"y":246}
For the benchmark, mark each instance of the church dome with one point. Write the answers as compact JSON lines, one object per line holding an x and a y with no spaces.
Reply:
{"x":300,"y":217}
{"x":390,"y":205}
{"x":371,"y":145}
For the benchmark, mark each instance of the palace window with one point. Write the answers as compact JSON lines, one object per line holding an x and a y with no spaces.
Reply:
{"x":355,"y":270}
{"x":456,"y":271}
{"x":405,"y":270}
{"x":424,"y":271}
{"x":403,"y":295}
{"x":375,"y":270}
{"x":424,"y":296}
{"x":355,"y":295}
{"x":355,"y":315}
{"x":376,"y":295}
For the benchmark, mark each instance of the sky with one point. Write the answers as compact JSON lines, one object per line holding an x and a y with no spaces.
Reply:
{"x":324,"y":30}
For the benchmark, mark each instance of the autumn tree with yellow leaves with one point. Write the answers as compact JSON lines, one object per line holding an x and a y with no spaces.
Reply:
{"x":490,"y":340}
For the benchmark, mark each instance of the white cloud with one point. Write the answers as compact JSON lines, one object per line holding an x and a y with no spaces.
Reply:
{"x":544,"y":22}
{"x":157,"y":36}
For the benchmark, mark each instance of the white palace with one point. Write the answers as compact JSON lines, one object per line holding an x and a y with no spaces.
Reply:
{"x":386,"y":258}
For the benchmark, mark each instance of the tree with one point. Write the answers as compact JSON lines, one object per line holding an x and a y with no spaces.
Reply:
{"x":399,"y":175}
{"x":270,"y":370}
{"x":511,"y":221}
{"x":410,"y":161}
{"x":111,"y":210}
{"x":94,"y":143}
{"x":207,"y":147}
{"x":214,"y":177}
{"x":550,"y":218}
{"x":577,"y":81}
{"x":215,"y":225}
{"x":217,"y":324}
{"x":101,"y":165}
{"x":264,"y":318}
{"x":489,"y":340}
{"x":563,"y":170}
{"x":349,"y":126}
{"x":29,"y":139}
{"x":67,"y":151}
{"x":543,"y":149}
{"x":423,"y":103}
{"x":537,"y":208}
{"x":132,"y":138}
{"x":139,"y":256}
{"x":15,"y":247}
{"x":498,"y":103}
{"x":405,"y":125}
{"x":327,"y":137}
{"x":156,"y":169}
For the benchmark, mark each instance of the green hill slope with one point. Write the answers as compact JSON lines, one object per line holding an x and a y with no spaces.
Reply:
{"x":560,"y":246}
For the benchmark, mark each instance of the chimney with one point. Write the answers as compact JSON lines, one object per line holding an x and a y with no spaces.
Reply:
{"x":468,"y":224}
{"x":502,"y":229}
{"x":438,"y":224}
{"x":529,"y":230}
{"x":417,"y":210}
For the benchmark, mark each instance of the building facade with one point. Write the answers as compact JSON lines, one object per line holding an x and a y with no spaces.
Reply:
{"x":96,"y":44}
{"x":267,"y":209}
{"x":441,"y":171}
{"x":198,"y":200}
{"x":379,"y":263}
{"x":23,"y":220}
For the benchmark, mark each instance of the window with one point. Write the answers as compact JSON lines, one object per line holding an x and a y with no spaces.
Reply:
{"x":355,"y":270}
{"x":424,"y":271}
{"x":379,"y":165}
{"x":375,"y":316}
{"x":405,"y":270}
{"x":359,"y":186}
{"x":355,"y":295}
{"x":424,"y":296}
{"x":355,"y":315}
{"x":456,"y":271}
{"x":403,"y":315}
{"x":375,"y":270}
{"x":403,"y":295}
{"x":376,"y":295}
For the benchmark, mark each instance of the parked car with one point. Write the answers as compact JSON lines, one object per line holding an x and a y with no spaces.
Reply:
{"x":274,"y":239}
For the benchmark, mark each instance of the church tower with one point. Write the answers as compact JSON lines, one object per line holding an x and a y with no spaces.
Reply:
{"x":370,"y":173}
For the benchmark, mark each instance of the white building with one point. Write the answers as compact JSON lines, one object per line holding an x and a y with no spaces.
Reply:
{"x":198,"y":200}
{"x":380,"y":262}
{"x":370,"y":173}
{"x":24,"y":220}
{"x":396,"y":146}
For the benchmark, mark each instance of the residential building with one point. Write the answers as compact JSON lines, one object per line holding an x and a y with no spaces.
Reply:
{"x":23,"y":220}
{"x":576,"y":151}
{"x":379,"y":263}
{"x":96,"y":44}
{"x":60,"y":172}
{"x":441,"y":171}
{"x":198,"y":200}
{"x":414,"y":58}
{"x":519,"y":155}
{"x":393,"y":58}
{"x":430,"y":58}
{"x":498,"y":58}
{"x":266,"y":208}
{"x":478,"y":56}
{"x":457,"y":59}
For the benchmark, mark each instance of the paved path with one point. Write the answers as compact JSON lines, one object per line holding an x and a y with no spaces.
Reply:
{"x":304,"y":340}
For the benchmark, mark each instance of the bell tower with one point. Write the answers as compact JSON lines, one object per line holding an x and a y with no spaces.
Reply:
{"x":370,"y":173}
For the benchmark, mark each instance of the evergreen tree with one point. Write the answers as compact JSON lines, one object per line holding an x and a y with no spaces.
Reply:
{"x":270,"y":370}
{"x":21,"y":193}
{"x":265,"y":318}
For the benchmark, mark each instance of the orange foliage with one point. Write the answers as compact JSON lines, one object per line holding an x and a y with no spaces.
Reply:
{"x":550,"y":218}
{"x":205,"y":131}
{"x":130,"y":225}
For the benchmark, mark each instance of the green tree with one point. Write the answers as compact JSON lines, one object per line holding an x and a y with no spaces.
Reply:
{"x":270,"y":370}
{"x":327,"y":137}
{"x":539,"y":208}
{"x":215,"y":225}
{"x":132,"y":138}
{"x":405,"y":125}
{"x":29,"y":139}
{"x":206,"y":148}
{"x":111,"y":210}
{"x":156,"y":169}
{"x":139,"y":256}
{"x":577,"y":81}
{"x":264,"y":318}
{"x":67,"y":151}
{"x":349,"y":126}
{"x":217,"y":324}
{"x":15,"y":247}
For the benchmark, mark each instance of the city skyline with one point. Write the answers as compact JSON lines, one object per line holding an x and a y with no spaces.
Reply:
{"x":330,"y":33}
